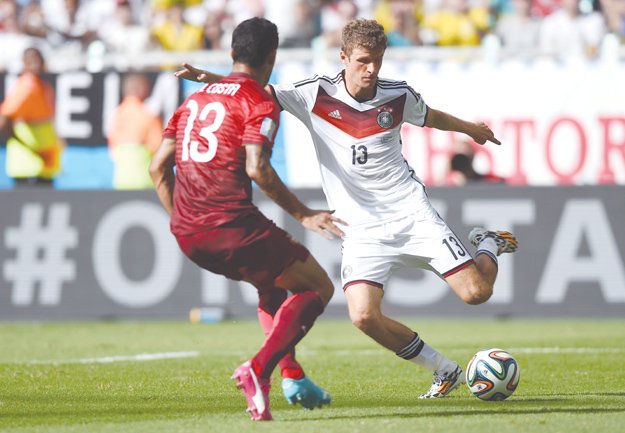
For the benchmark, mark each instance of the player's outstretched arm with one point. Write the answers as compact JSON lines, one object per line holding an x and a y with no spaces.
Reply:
{"x":479,"y":132}
{"x":162,"y":172}
{"x":259,"y":169}
{"x":191,"y":73}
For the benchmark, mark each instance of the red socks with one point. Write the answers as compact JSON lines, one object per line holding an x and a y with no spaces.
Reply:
{"x":291,"y":322}
{"x":289,"y":367}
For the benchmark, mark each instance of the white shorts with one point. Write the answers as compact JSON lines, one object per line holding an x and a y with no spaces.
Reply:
{"x":372,"y":253}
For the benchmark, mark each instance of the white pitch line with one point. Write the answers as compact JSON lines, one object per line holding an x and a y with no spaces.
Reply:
{"x":122,"y":358}
{"x":566,"y":350}
{"x":141,"y":357}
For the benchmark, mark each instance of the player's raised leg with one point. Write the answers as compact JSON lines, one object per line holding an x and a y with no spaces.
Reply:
{"x":474,"y":284}
{"x":364,"y":303}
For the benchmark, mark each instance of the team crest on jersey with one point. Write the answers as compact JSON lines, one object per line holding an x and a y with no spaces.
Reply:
{"x":385,"y":119}
{"x":347,"y":271}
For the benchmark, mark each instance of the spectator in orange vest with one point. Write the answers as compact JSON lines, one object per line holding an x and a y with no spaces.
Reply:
{"x":133,"y":133}
{"x":27,"y":119}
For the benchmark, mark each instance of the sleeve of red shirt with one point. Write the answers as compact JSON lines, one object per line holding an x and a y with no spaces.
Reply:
{"x":172,"y":125}
{"x":261,"y":125}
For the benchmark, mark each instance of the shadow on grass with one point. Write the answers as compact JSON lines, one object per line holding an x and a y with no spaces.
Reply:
{"x":585,"y":394}
{"x":61,"y":410}
{"x":578,"y":400}
{"x":468,"y":412}
{"x":68,"y":410}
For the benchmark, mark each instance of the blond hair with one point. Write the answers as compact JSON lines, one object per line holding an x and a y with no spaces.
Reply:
{"x":363,"y":33}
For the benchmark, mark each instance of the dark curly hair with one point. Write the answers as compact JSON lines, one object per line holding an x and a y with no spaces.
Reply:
{"x":253,"y":40}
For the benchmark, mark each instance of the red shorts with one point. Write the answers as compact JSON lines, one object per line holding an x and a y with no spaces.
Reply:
{"x":251,"y":248}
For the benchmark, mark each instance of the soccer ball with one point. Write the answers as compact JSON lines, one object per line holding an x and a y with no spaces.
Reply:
{"x":492,"y":374}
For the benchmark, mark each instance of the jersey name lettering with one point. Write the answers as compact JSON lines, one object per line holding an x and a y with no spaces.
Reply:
{"x":228,"y":89}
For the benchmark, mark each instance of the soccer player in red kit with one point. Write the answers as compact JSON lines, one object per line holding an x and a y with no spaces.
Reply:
{"x":219,"y":140}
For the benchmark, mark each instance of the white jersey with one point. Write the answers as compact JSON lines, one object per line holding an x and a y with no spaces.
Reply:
{"x":358,"y":144}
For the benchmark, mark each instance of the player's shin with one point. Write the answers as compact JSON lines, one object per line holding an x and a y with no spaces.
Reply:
{"x":289,"y":367}
{"x":290,"y":324}
{"x":421,"y":353}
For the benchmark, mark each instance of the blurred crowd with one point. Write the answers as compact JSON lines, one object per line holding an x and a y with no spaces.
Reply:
{"x":133,"y":27}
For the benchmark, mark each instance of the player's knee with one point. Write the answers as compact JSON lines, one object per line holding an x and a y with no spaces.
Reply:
{"x":270,"y":299}
{"x":322,"y":285}
{"x":325,"y":292}
{"x":366,"y":321}
{"x":475,"y":294}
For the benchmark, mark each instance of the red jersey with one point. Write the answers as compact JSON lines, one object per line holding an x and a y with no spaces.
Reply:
{"x":211,"y":128}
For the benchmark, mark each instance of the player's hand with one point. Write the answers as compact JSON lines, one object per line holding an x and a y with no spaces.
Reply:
{"x":482,"y":134}
{"x":324,"y":223}
{"x":191,"y":73}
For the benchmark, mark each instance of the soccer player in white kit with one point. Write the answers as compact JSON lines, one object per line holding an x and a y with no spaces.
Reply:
{"x":355,"y":119}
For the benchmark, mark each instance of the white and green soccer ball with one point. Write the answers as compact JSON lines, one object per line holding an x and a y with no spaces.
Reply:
{"x":492,"y":374}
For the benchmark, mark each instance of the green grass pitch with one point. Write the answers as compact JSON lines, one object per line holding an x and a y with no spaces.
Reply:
{"x":54,"y":378}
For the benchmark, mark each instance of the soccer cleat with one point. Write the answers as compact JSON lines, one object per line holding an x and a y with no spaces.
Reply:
{"x":256,"y":391}
{"x":506,"y":241}
{"x":444,"y":383}
{"x":305,"y":392}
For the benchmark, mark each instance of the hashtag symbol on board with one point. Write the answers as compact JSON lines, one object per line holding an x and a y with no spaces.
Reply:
{"x":40,"y":247}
